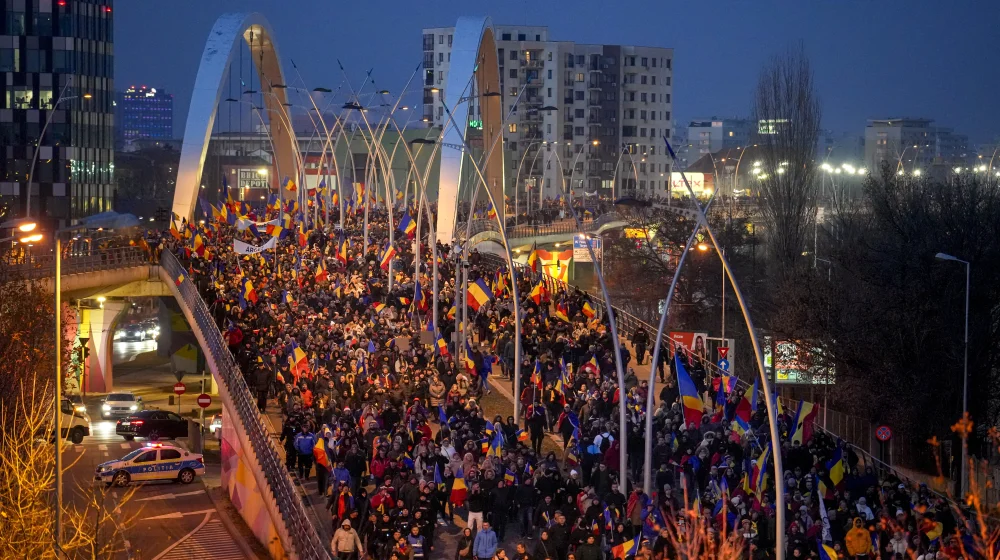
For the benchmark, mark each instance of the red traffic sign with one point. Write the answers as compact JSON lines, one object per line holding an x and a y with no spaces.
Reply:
{"x":204,"y":400}
{"x":179,"y":389}
{"x":723,"y":352}
{"x":883,"y":433}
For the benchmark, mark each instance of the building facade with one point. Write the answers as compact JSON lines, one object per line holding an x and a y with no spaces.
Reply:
{"x":57,"y":59}
{"x":591,"y":118}
{"x":910,"y":144}
{"x":707,"y":136}
{"x":143,"y":113}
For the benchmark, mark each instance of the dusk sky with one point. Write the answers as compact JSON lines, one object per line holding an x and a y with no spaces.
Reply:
{"x":871,"y":58}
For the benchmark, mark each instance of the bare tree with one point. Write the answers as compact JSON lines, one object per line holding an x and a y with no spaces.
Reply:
{"x":787,"y":112}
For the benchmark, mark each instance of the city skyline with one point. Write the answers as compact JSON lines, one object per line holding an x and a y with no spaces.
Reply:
{"x":922,"y":77}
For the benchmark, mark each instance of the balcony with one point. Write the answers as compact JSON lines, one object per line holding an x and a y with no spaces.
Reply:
{"x":594,"y":101}
{"x":533,"y":100}
{"x":533,"y":63}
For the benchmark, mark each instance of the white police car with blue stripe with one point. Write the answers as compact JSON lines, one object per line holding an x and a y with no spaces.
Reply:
{"x":155,"y":461}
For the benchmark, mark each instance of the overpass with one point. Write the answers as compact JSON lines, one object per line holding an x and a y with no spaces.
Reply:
{"x":257,"y":483}
{"x":487,"y":232}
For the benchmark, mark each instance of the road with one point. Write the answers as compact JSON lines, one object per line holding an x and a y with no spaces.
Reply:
{"x":171,"y":521}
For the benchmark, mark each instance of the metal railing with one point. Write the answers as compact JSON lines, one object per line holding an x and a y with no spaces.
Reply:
{"x":33,"y":267}
{"x":305,"y":539}
{"x":525,"y":230}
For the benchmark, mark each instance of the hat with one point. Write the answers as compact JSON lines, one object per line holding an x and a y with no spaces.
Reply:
{"x":345,"y":523}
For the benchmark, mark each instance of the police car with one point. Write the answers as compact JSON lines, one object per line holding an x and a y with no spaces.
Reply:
{"x":155,"y":461}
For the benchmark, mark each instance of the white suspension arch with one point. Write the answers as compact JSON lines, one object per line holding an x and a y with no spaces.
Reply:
{"x":473,"y":55}
{"x":223,"y":42}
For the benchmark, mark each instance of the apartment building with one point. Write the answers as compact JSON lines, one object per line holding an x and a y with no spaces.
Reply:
{"x":598,"y":113}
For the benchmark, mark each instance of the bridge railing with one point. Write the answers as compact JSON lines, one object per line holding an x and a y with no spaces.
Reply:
{"x":566,"y":225}
{"x":33,"y":267}
{"x":297,"y":521}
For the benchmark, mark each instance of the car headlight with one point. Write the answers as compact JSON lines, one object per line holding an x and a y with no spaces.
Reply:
{"x":106,"y":408}
{"x":133,"y":408}
{"x":80,"y":408}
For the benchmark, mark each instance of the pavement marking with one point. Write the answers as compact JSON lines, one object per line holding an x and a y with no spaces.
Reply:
{"x":126,"y":446}
{"x":171,"y":496}
{"x":208,"y":540}
{"x":102,"y":447}
{"x":178,"y":514}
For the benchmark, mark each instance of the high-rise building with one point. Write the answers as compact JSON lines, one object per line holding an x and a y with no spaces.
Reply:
{"x":707,"y":136}
{"x":57,"y":62}
{"x":911,"y":143}
{"x":143,"y":113}
{"x":598,"y":112}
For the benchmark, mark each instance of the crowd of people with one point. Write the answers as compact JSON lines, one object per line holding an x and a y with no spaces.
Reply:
{"x":397,"y":413}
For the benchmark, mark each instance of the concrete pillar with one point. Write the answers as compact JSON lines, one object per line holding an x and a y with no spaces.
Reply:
{"x":99,"y":325}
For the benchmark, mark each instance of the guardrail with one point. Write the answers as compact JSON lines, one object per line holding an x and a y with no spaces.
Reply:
{"x":297,"y":522}
{"x":522,"y":231}
{"x":33,"y":267}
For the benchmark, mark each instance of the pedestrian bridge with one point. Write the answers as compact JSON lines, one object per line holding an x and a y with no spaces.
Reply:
{"x":483,"y":231}
{"x":252,"y":473}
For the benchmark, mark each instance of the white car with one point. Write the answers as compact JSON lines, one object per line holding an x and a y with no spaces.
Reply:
{"x":155,"y":461}
{"x":120,"y":405}
{"x":74,"y":422}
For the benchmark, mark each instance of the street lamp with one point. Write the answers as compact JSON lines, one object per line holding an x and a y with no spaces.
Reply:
{"x":965,"y":372}
{"x":41,"y":137}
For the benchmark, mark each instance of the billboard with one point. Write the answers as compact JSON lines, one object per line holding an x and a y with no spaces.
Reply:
{"x":795,"y":362}
{"x":691,"y":342}
{"x":697,"y":181}
{"x":580,"y":252}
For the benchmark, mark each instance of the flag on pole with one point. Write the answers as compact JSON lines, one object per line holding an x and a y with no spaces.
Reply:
{"x":693,"y":407}
{"x":407,"y":226}
{"x":479,"y":294}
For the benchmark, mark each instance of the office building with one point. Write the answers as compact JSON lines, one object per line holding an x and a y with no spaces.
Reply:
{"x":707,"y":136}
{"x":913,"y":143}
{"x":143,"y":113}
{"x":57,"y":62}
{"x":597,"y":112}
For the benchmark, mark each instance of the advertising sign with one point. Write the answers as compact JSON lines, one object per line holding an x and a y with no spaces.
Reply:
{"x":691,"y":342}
{"x":794,"y":362}
{"x":697,"y":180}
{"x":580,"y":252}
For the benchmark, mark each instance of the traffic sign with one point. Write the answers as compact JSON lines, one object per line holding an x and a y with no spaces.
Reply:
{"x":883,"y":433}
{"x":723,"y":352}
{"x":724,"y":364}
{"x":204,"y":400}
{"x":179,"y":389}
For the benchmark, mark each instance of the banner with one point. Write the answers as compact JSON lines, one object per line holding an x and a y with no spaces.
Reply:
{"x":248,"y":249}
{"x":244,"y":223}
{"x":691,"y":342}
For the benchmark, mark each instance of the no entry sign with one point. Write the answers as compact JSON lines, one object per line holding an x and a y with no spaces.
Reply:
{"x":883,"y":433}
{"x":179,"y":389}
{"x":204,"y":400}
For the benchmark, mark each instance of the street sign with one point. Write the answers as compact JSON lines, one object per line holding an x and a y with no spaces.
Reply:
{"x":580,"y":252}
{"x":179,"y":389}
{"x":204,"y":400}
{"x":724,"y":364}
{"x":883,"y":433}
{"x":723,"y":352}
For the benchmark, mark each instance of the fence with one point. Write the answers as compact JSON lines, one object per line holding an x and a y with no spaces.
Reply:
{"x":33,"y":267}
{"x":525,"y":230}
{"x":305,"y":540}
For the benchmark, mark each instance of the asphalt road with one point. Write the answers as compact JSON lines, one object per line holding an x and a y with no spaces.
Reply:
{"x":171,"y":521}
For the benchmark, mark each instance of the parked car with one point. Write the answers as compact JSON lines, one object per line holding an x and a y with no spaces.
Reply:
{"x":152,"y":425}
{"x":120,"y":404}
{"x":155,"y":461}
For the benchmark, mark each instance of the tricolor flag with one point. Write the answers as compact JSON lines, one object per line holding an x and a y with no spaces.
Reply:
{"x":537,"y":292}
{"x":289,"y":184}
{"x":802,"y":426}
{"x":442,"y":346}
{"x":588,"y":310}
{"x":533,"y":262}
{"x":247,"y":293}
{"x":321,"y":273}
{"x":387,"y":256}
{"x":458,"y":489}
{"x":627,"y":548}
{"x":407,"y":225}
{"x":479,"y":294}
{"x":693,"y":407}
{"x":342,"y":251}
{"x":180,"y":279}
{"x":297,"y":360}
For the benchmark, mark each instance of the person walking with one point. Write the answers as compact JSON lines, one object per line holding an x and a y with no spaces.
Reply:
{"x":304,"y":443}
{"x":346,"y":543}
{"x":486,"y":543}
{"x":640,"y":340}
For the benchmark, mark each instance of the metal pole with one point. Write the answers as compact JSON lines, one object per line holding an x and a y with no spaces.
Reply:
{"x":769,"y":399}
{"x":38,"y":147}
{"x":965,"y":388}
{"x":58,"y":394}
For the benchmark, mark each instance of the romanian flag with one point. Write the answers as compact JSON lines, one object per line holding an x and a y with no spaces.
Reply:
{"x":588,"y":310}
{"x":247,"y":293}
{"x":379,"y":307}
{"x":180,"y":279}
{"x":537,"y":292}
{"x":562,"y":311}
{"x":479,"y":295}
{"x":759,"y":472}
{"x":408,"y":226}
{"x":835,"y":466}
{"x":297,"y":360}
{"x":319,"y":453}
{"x":533,"y":261}
{"x":491,"y":214}
{"x":458,"y":489}
{"x":199,"y":245}
{"x":418,"y":297}
{"x":803,"y":424}
{"x":173,"y":231}
{"x":826,"y":552}
{"x":442,"y":346}
{"x":522,"y":435}
{"x":387,"y":256}
{"x":321,"y":273}
{"x":627,"y":548}
{"x":438,"y":480}
{"x":289,"y":184}
{"x":743,"y":408}
{"x":342,"y":251}
{"x":693,"y":407}
{"x":303,"y":238}
{"x":508,"y":476}
{"x":452,"y":312}
{"x":287,"y":297}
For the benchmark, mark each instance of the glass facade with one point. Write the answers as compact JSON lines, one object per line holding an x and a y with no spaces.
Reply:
{"x":143,"y":113}
{"x":57,"y":60}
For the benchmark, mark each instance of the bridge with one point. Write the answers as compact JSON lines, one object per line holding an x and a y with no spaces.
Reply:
{"x":485,"y":234}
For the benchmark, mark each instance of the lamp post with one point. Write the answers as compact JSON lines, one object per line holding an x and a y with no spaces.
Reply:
{"x":41,"y":137}
{"x":965,"y":372}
